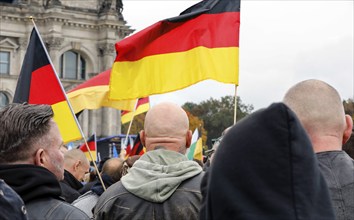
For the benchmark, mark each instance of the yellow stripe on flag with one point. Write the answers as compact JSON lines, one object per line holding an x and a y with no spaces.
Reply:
{"x":169,"y":72}
{"x":198,"y":153}
{"x":67,"y":125}
{"x":94,"y":155}
{"x":127,"y":117}
{"x":95,"y":97}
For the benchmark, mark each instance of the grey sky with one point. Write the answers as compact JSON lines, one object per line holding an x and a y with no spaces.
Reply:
{"x":281,"y":43}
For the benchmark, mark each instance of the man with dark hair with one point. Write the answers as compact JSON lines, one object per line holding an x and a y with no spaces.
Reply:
{"x":111,"y":173}
{"x":31,"y":161}
{"x":321,"y":112}
{"x":163,"y":183}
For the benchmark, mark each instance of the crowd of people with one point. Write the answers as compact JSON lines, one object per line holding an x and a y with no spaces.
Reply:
{"x":282,"y":162}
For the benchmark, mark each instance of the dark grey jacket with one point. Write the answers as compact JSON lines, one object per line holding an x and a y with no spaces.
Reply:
{"x":162,"y":184}
{"x":118,"y":203}
{"x":338,"y":170}
{"x":40,"y":191}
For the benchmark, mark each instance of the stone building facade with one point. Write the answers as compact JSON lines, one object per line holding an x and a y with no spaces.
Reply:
{"x":79,"y":36}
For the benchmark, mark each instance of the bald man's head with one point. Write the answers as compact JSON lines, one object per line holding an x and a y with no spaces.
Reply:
{"x":76,"y":163}
{"x":319,"y":108}
{"x":166,"y":125}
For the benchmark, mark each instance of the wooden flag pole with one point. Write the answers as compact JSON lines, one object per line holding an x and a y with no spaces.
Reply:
{"x":235,"y":111}
{"x":66,"y":98}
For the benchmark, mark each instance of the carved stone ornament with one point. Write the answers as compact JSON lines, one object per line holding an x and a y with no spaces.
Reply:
{"x":54,"y":42}
{"x":106,"y":48}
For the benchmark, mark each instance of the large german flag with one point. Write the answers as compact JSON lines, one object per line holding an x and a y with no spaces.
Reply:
{"x":93,"y":94}
{"x":202,"y":43}
{"x":38,"y":84}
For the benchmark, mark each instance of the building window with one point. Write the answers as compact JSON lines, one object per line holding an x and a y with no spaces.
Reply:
{"x":4,"y":62}
{"x":72,"y":66}
{"x":4,"y":100}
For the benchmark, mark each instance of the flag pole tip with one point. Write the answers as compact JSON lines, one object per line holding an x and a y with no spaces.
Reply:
{"x":30,"y":17}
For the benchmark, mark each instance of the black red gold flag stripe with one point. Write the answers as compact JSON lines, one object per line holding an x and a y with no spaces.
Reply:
{"x":202,"y":43}
{"x":38,"y":84}
{"x":92,"y":144}
{"x":142,"y":106}
{"x":93,"y":94}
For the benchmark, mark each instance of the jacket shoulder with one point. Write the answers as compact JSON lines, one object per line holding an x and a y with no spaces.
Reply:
{"x":50,"y":208}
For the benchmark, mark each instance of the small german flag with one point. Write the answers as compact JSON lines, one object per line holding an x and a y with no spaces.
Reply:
{"x":92,"y":144}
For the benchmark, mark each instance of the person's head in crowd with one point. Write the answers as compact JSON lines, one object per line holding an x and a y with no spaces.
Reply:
{"x":29,"y":135}
{"x":101,"y":163}
{"x":11,"y":204}
{"x":113,"y":168}
{"x":265,"y":169}
{"x":76,"y":163}
{"x":320,"y":110}
{"x":168,"y":130}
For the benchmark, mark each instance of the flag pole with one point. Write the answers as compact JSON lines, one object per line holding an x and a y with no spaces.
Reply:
{"x":235,"y":110}
{"x":66,"y":98}
{"x":130,"y":123}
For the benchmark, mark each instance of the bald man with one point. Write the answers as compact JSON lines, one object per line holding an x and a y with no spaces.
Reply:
{"x":320,"y":110}
{"x":76,"y":165}
{"x":163,"y":183}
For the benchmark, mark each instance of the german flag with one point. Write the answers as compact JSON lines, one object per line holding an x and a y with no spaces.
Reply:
{"x":39,"y":84}
{"x":142,"y":106}
{"x":92,"y":144}
{"x":202,"y":43}
{"x":137,"y":149}
{"x":93,"y":94}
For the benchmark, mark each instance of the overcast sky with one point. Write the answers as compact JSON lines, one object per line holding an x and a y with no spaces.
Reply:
{"x":281,"y":43}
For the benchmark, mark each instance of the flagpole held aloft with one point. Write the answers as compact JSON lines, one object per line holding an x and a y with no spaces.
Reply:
{"x":235,"y":110}
{"x":66,"y":98}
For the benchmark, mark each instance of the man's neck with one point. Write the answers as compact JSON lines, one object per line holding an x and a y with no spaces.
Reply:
{"x":326,"y":143}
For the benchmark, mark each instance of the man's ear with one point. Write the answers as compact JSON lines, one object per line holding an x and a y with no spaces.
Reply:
{"x":188,"y":138}
{"x":40,"y":158}
{"x":348,"y":130}
{"x":77,"y":165}
{"x":142,"y":137}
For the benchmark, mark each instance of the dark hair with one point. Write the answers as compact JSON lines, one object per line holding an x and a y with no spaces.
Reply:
{"x":21,"y":125}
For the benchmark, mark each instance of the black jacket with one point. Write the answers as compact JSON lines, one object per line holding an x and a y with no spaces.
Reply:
{"x":70,"y":187}
{"x":265,"y":168}
{"x":40,"y":191}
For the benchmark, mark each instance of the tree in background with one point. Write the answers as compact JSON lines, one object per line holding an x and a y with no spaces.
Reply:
{"x":137,"y":125}
{"x":349,"y":107}
{"x":217,"y":115}
{"x":196,"y":123}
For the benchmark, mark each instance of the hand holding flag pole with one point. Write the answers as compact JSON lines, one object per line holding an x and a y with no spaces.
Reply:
{"x":70,"y":107}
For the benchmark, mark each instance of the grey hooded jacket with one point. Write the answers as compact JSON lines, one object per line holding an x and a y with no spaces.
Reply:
{"x":162,"y":184}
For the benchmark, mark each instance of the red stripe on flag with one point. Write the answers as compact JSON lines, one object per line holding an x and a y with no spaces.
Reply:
{"x":159,"y":38}
{"x":45,"y":87}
